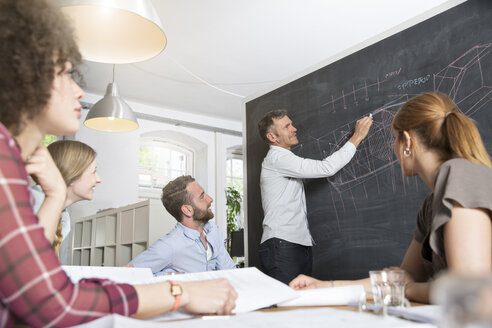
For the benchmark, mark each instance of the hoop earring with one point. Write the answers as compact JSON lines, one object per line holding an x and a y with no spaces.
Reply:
{"x":407,"y":152}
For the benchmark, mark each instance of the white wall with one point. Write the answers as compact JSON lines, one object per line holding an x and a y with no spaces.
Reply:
{"x":117,"y":158}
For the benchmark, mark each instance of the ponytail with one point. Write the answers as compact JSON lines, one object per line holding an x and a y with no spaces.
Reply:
{"x":58,"y":239}
{"x":464,"y":139}
{"x":435,"y":119}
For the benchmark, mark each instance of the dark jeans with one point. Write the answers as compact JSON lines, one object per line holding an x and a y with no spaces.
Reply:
{"x":283,"y":260}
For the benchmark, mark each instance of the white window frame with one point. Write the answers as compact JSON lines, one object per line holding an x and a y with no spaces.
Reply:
{"x":232,"y":177}
{"x":231,"y":155}
{"x":155,"y":192}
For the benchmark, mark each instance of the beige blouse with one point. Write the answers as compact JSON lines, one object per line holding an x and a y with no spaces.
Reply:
{"x":458,"y":180}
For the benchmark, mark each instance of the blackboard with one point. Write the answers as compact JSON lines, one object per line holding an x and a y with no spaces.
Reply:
{"x":363,"y":218}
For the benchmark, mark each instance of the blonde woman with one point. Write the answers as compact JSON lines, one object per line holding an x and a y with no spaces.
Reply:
{"x":454,"y":232}
{"x":77,"y":164}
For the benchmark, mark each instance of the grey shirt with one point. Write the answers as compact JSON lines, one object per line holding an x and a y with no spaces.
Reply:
{"x":457,"y":180}
{"x":282,"y":191}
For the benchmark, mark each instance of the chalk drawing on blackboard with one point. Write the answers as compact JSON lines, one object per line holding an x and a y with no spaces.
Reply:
{"x":375,"y":154}
{"x":469,"y":66}
{"x":420,"y":80}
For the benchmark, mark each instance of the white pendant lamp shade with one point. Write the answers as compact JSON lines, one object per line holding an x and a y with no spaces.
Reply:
{"x":115,"y":31}
{"x":111,"y":113}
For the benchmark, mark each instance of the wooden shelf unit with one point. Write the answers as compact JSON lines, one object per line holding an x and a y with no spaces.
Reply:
{"x":115,"y":236}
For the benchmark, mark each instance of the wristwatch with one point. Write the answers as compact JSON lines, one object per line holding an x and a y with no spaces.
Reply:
{"x":176,"y":291}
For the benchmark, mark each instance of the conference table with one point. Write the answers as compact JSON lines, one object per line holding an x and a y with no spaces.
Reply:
{"x":263,"y":292}
{"x":285,"y":317}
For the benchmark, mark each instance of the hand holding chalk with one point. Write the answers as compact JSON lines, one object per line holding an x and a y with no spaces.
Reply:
{"x":362,"y":127}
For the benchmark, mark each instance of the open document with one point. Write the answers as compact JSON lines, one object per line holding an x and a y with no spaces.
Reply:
{"x":255,"y":289}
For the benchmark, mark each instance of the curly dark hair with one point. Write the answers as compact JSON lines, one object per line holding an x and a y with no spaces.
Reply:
{"x":174,"y":195}
{"x":36,"y":42}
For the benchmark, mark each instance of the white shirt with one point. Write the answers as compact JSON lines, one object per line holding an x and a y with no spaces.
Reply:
{"x":282,"y":190}
{"x":209,"y":247}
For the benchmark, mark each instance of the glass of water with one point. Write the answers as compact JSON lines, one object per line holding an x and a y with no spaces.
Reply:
{"x":388,"y":288}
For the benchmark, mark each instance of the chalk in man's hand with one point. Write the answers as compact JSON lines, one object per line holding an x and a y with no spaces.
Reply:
{"x":370,"y":114}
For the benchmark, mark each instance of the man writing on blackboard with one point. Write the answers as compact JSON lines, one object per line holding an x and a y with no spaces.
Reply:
{"x":285,"y":250}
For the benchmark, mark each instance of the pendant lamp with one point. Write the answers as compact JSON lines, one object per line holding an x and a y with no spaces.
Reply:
{"x":115,"y":31}
{"x":111,"y":113}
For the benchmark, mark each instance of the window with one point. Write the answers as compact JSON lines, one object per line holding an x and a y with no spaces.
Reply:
{"x":234,"y":179}
{"x":234,"y":174}
{"x":234,"y":168}
{"x":161,"y":161}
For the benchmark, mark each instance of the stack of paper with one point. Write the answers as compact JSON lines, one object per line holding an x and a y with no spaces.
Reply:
{"x":326,"y":296}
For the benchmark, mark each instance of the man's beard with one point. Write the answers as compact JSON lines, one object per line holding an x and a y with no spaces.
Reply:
{"x":202,"y":216}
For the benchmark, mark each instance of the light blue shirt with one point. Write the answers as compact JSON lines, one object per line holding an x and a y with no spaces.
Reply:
{"x":38,"y":195}
{"x":282,"y":190}
{"x":181,"y":250}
